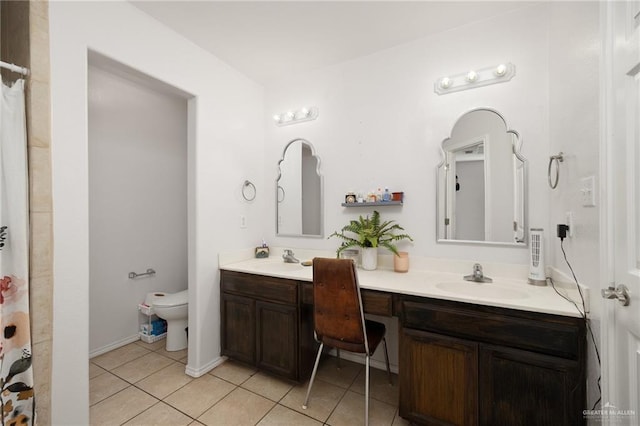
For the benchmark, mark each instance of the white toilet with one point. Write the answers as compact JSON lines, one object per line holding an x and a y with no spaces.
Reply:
{"x":173,"y":308}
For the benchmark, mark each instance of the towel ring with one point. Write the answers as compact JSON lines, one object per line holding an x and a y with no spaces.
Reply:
{"x":252,"y":187}
{"x":557,"y":159}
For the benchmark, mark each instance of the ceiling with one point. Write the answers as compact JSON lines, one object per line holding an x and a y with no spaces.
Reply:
{"x":268,"y":40}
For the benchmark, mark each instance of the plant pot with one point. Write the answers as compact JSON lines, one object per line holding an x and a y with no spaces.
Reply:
{"x":369,"y":258}
{"x":401,"y":262}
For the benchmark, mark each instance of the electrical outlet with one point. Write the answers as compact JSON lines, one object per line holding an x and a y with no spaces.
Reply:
{"x":243,"y":221}
{"x":588,"y":191}
{"x":569,"y":222}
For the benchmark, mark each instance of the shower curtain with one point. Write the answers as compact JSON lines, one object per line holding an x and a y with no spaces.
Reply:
{"x":16,"y":374}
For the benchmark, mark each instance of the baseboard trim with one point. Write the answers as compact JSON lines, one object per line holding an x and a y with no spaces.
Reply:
{"x":115,"y":345}
{"x":197,"y":372}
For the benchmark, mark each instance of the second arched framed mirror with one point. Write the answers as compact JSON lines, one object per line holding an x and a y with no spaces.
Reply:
{"x":482,"y":187}
{"x":299,"y":206}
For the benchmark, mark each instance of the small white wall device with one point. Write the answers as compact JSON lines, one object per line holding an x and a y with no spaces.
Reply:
{"x":537,"y":275}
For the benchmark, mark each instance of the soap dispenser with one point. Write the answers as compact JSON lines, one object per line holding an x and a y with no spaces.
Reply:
{"x":387,"y":195}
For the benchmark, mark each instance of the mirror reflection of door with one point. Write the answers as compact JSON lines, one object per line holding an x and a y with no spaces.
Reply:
{"x":299,"y":191}
{"x":469,"y":190}
{"x":487,"y":203}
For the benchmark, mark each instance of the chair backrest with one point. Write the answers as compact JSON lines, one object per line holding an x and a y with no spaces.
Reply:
{"x":338,"y":315}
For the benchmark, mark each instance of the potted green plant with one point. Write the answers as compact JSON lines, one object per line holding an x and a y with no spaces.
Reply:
{"x":369,"y":233}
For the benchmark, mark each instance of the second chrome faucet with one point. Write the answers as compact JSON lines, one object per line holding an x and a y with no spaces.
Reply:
{"x":477,"y":275}
{"x":289,"y":257}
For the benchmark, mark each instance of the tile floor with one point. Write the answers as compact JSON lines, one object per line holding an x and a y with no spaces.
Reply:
{"x":142,"y":384}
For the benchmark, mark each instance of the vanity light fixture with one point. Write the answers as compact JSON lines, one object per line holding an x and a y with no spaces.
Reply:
{"x":445,"y":82}
{"x":475,"y":78}
{"x":293,"y":117}
{"x":500,"y":70}
{"x":472,"y":76}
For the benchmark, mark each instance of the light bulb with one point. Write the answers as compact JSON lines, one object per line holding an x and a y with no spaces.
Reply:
{"x":304,"y":112}
{"x":276,"y":117}
{"x":290,"y":115}
{"x":501,"y":70}
{"x":472,"y":76}
{"x":445,"y":83}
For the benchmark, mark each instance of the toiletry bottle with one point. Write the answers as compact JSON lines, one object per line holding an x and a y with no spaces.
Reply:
{"x":387,"y":195}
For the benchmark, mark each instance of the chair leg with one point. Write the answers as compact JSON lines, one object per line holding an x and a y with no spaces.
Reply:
{"x":386,"y":357}
{"x":313,"y":376}
{"x":366,"y":392}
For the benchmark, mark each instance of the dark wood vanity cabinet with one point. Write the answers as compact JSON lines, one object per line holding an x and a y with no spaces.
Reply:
{"x":464,"y":364}
{"x":437,"y":374}
{"x":238,"y":327}
{"x":459,"y":363}
{"x":267,"y":322}
{"x":264,"y":324}
{"x":520,"y":387}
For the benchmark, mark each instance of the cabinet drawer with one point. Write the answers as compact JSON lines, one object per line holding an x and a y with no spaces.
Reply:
{"x":377,"y":303}
{"x":373,"y":302}
{"x":260,"y":287}
{"x":543,"y":333}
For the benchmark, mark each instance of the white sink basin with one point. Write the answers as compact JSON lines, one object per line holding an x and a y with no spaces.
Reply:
{"x":482,"y":290}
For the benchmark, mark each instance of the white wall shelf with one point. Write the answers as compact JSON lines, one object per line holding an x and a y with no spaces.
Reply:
{"x":373,"y":204}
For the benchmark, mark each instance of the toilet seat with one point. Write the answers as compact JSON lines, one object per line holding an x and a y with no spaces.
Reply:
{"x":153,"y":297}
{"x":172,"y":299}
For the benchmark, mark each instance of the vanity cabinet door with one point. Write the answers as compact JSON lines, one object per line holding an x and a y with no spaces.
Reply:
{"x":438,"y":379}
{"x":277,"y":338}
{"x":307,"y":344}
{"x":238,"y":328}
{"x":525,"y":388}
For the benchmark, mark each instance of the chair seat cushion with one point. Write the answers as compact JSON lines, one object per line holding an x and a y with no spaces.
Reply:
{"x":375,"y":332}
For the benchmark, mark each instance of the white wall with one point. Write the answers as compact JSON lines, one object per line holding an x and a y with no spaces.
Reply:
{"x":225,"y":129}
{"x":381,"y":124}
{"x":574,"y":67}
{"x":137,"y":201}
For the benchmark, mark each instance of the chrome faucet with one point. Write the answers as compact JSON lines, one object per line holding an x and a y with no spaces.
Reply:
{"x":289,"y":257}
{"x":477,"y":275}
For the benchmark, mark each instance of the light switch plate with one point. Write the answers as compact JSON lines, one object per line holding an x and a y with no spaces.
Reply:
{"x":588,"y":191}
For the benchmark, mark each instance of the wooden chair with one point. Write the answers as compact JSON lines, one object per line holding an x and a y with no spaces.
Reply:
{"x":339,"y":318}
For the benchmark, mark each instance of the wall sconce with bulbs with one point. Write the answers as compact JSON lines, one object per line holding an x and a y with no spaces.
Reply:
{"x":293,"y":117}
{"x":475,"y":78}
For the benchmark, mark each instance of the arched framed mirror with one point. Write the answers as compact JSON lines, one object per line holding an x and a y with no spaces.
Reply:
{"x":299,"y":206}
{"x":482,"y":189}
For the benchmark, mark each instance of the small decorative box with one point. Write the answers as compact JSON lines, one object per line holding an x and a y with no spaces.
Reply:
{"x":350,"y":198}
{"x":397,"y":196}
{"x":262,"y":252}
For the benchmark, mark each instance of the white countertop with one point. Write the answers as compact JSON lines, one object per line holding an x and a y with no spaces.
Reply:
{"x":507,"y":291}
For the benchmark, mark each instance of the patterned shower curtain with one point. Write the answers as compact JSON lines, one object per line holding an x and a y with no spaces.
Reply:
{"x":16,"y":374}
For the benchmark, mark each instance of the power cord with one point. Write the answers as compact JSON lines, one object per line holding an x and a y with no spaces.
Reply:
{"x":562,"y":229}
